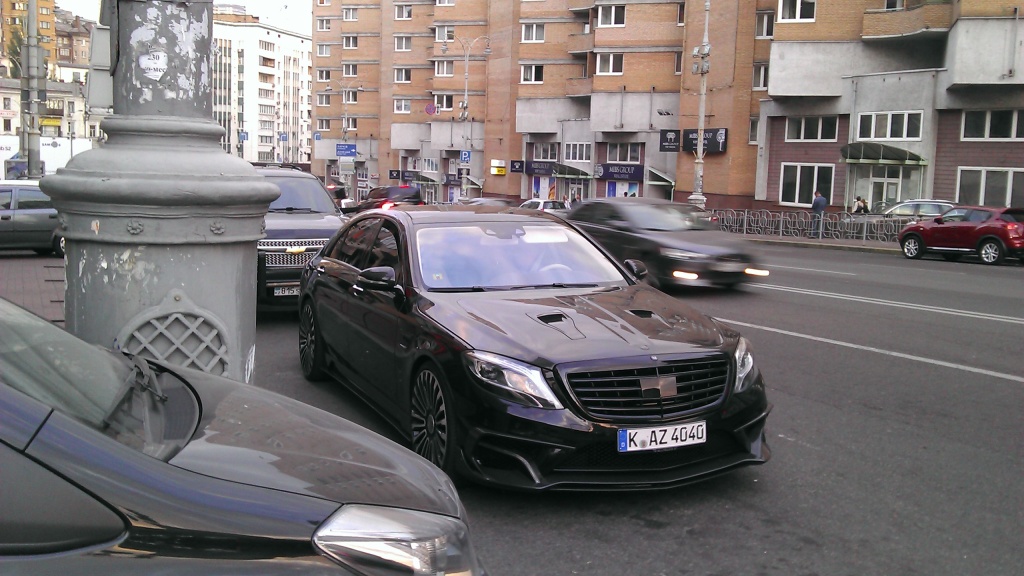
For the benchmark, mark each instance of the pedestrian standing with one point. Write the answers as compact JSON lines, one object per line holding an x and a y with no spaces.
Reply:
{"x":818,"y":207}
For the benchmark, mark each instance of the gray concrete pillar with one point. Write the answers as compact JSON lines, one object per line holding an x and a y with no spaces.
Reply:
{"x":161,"y":223}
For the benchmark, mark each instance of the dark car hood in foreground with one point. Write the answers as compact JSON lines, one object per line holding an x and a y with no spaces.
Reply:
{"x":290,"y":446}
{"x":711,"y":242}
{"x":553,"y":326}
{"x":293,"y":224}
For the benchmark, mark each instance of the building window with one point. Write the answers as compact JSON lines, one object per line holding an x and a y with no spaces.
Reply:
{"x":577,"y":152}
{"x":349,"y":14}
{"x":323,"y":124}
{"x":444,"y":68}
{"x":752,"y":130}
{"x":679,"y":63}
{"x":609,"y":64}
{"x":443,"y":101}
{"x":608,"y":16}
{"x":814,"y":128}
{"x":323,"y":25}
{"x":890,"y":126}
{"x":545,"y":151}
{"x":403,"y":75}
{"x":532,"y":74}
{"x":533,"y":32}
{"x":7,"y":103}
{"x":444,"y":2}
{"x":350,"y":70}
{"x":323,"y":75}
{"x":323,"y":2}
{"x":990,"y":187}
{"x":760,"y":76}
{"x":403,"y":106}
{"x":764,"y":26}
{"x":444,"y":33}
{"x":430,"y":164}
{"x":350,"y":96}
{"x":894,"y":4}
{"x":403,"y":43}
{"x":349,"y":124}
{"x":799,"y":182}
{"x":993,"y":125}
{"x":323,"y":49}
{"x":350,"y":42}
{"x":802,"y":10}
{"x":403,"y":11}
{"x":681,"y":14}
{"x":624,"y":152}
{"x":323,"y":99}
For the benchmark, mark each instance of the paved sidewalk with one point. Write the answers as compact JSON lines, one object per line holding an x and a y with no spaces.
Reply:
{"x":34,"y":282}
{"x":37,"y":282}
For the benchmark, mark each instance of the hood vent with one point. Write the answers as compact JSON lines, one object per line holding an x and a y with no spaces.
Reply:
{"x":562,"y":323}
{"x":642,"y":313}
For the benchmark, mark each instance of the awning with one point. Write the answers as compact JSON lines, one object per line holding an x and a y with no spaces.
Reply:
{"x":566,"y":171}
{"x":875,"y":153}
{"x":660,"y":178}
{"x":426,"y":177}
{"x":473,"y":182}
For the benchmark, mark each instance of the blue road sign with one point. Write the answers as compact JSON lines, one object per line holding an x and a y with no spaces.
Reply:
{"x":345,"y":150}
{"x":464,"y":156}
{"x":316,"y":136}
{"x":243,"y":136}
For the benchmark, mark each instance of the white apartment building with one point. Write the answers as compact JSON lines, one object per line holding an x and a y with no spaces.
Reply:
{"x":261,"y":89}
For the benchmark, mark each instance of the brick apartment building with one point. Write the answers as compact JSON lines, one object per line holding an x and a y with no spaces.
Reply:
{"x":14,"y":19}
{"x":887,"y":99}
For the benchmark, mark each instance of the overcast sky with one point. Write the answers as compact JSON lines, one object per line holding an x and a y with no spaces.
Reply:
{"x":291,"y":15}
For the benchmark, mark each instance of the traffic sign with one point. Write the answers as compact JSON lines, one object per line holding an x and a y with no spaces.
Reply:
{"x":316,"y":136}
{"x":243,"y":136}
{"x":464,"y":156}
{"x":345,"y":150}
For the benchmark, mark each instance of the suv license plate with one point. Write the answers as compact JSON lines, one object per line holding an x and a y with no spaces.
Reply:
{"x":638,"y":439}
{"x":286,"y":291}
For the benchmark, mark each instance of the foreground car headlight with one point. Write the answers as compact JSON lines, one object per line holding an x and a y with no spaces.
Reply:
{"x":526,"y":382}
{"x":682,"y":254}
{"x":746,"y":371}
{"x":380,"y":541}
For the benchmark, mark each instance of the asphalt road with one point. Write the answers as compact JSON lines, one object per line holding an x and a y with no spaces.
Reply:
{"x":897,"y":436}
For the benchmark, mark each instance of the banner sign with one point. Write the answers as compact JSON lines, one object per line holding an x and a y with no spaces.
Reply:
{"x":714,"y":140}
{"x":540,"y":168}
{"x":632,"y":172}
{"x":669,"y":141}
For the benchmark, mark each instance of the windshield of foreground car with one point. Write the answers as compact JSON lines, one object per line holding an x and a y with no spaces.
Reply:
{"x":301,"y":195}
{"x":504,"y":255}
{"x":668,"y":217}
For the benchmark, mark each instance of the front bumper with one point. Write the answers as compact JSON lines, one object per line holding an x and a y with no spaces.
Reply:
{"x":514,"y":446}
{"x":680,"y":272}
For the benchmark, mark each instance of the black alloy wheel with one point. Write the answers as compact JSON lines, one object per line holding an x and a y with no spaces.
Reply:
{"x":991,"y":252}
{"x":913,"y":248}
{"x":433,"y":435}
{"x":311,"y":350}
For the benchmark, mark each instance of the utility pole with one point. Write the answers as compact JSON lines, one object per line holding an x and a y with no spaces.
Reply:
{"x":702,"y":66}
{"x":31,"y":92}
{"x":467,"y":47}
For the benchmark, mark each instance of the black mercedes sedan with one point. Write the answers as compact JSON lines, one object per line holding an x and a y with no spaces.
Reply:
{"x":510,"y":349}
{"x":112,"y":464}
{"x":680,"y":244}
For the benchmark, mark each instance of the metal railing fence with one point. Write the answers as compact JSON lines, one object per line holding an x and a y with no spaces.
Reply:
{"x":798,"y":223}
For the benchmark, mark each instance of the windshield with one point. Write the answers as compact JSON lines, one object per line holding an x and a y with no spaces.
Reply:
{"x":667,"y":217}
{"x":301,"y":195}
{"x":502,"y":255}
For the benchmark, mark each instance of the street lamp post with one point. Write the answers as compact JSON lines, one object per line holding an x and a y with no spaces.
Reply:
{"x":346,"y":88}
{"x":467,"y":47}
{"x":702,"y":66}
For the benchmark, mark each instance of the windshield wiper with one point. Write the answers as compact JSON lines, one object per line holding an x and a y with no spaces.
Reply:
{"x":141,"y":378}
{"x":461,"y":289}
{"x":294,"y":209}
{"x":555,"y":285}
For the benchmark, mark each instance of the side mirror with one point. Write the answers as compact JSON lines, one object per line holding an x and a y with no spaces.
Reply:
{"x":636,"y":268}
{"x":381,"y":278}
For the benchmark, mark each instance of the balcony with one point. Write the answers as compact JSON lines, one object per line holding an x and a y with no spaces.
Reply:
{"x":580,"y":43}
{"x":577,"y":87}
{"x":929,"y":17}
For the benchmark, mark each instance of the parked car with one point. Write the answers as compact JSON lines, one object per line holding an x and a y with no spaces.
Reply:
{"x":387,"y":197}
{"x":680,"y":244}
{"x":299,"y":223}
{"x":115,"y":464}
{"x":28,"y":220}
{"x":508,"y":348}
{"x":912,"y":210}
{"x":991,"y":233}
{"x":489,"y":201}
{"x":545,"y":205}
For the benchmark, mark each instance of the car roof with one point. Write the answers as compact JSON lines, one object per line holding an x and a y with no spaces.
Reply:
{"x":460,"y":213}
{"x":283,"y":172}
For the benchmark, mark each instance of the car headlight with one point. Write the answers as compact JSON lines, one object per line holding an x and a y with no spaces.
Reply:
{"x":381,"y":541}
{"x":525,"y":382}
{"x":682,"y":254}
{"x":746,"y":370}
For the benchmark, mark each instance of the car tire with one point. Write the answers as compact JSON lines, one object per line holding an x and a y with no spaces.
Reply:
{"x":952,"y":257}
{"x":58,"y":246}
{"x":991,"y":252}
{"x":432,"y":424}
{"x":311,"y":349}
{"x":913,"y":247}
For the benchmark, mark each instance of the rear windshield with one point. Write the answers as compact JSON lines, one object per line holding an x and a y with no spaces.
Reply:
{"x":1016,"y":215}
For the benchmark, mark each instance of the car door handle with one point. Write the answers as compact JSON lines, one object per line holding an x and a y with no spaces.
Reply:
{"x":321,"y":269}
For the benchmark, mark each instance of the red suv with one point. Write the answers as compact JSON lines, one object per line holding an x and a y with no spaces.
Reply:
{"x":991,"y":233}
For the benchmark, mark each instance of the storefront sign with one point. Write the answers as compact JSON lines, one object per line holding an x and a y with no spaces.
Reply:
{"x":634,"y":172}
{"x":714,"y":140}
{"x":669,"y":141}
{"x":540,"y":168}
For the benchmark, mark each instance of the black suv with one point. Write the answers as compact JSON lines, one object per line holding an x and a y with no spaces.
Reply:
{"x":299,"y":222}
{"x":387,"y":197}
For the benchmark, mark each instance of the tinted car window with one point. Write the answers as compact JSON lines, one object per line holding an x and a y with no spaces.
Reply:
{"x":955,"y":215}
{"x":301,"y":195}
{"x":384,"y":251}
{"x":355,"y":242}
{"x":33,"y":199}
{"x":6,"y":199}
{"x":932,"y":209}
{"x":666,"y":217}
{"x":979,"y":216}
{"x":1013,"y":216}
{"x":903,"y":210}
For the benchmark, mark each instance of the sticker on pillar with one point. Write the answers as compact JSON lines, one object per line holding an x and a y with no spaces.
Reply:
{"x":153,"y":65}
